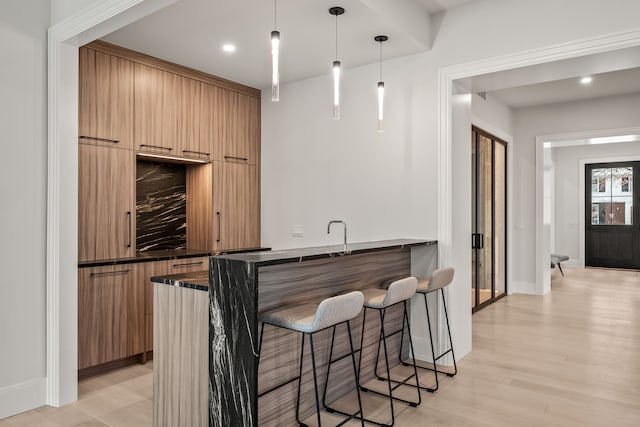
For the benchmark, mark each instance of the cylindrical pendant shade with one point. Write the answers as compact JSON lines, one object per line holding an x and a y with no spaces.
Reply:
{"x":380,"y":106}
{"x":336,"y":90}
{"x":275,"y":58}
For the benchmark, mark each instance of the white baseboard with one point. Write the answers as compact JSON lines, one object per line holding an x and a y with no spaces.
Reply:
{"x":22,"y":397}
{"x":528,"y":288}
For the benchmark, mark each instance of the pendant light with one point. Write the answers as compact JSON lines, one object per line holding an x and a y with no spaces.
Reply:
{"x":380,"y":39}
{"x":275,"y":57}
{"x":336,"y":68}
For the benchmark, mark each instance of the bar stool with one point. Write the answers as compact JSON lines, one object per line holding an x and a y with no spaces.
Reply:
{"x":440,"y":279}
{"x":309,"y":319}
{"x":398,"y":292}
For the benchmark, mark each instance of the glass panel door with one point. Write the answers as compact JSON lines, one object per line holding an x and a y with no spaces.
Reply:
{"x":484,"y":212}
{"x":489,"y":220}
{"x":500,"y":218}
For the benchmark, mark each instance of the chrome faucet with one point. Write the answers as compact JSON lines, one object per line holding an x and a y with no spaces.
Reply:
{"x":345,"y":229}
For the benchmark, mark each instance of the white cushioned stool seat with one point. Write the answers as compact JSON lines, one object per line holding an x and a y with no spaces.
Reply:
{"x":439,"y":279}
{"x":309,"y":318}
{"x":397,"y":291}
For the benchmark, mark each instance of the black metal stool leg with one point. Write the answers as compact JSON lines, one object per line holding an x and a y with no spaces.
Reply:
{"x":446,"y":316}
{"x":329,"y":363}
{"x":355,"y":373}
{"x":364,"y":318}
{"x":300,"y":383}
{"x":433,"y":351}
{"x":386,"y":359}
{"x":315,"y":378}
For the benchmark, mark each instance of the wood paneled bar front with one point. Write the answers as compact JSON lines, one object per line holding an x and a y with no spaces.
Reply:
{"x":239,"y":288}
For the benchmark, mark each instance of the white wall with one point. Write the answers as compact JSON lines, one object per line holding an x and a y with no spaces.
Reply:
{"x":492,"y":116}
{"x":61,"y":9}
{"x":597,"y":114}
{"x":23,"y":118}
{"x":315,"y":169}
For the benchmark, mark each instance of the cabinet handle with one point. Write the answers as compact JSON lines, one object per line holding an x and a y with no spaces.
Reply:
{"x":244,"y":159}
{"x":156,"y":146}
{"x":109,"y":273}
{"x":219,"y":227}
{"x":199,"y":153}
{"x":129,"y":219}
{"x":95,"y":138}
{"x":187,"y":264}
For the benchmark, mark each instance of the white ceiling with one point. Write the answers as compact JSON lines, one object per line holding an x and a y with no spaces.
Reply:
{"x":438,"y":6}
{"x":192,"y":32}
{"x":570,"y":89}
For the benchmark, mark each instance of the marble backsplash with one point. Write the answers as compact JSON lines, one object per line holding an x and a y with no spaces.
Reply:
{"x":161,"y":206}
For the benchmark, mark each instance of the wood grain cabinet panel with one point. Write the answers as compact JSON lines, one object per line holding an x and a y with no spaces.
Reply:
{"x":105,"y":99}
{"x":143,"y":274}
{"x":237,"y":127}
{"x":189,"y":139}
{"x":236,"y":205}
{"x":106,"y":206}
{"x":157,"y":101}
{"x":110,"y":315}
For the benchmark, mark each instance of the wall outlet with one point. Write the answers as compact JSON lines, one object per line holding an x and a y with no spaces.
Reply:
{"x":297,"y":230}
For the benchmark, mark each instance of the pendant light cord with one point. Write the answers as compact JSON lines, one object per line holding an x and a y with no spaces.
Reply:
{"x":275,"y":14}
{"x":336,"y":37}
{"x":381,"y":61}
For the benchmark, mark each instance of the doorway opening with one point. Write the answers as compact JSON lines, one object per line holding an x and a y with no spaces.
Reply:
{"x":612,"y":225}
{"x":488,"y":218}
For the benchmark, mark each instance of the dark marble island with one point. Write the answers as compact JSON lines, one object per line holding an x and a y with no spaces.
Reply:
{"x":244,"y":285}
{"x":206,"y":329}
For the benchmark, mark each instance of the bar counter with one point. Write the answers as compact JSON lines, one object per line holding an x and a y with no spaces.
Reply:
{"x":241,"y":287}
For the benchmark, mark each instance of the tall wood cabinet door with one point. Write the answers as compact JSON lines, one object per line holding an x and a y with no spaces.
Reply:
{"x":156,"y":100}
{"x":237,"y":119}
{"x":190,"y":93}
{"x":236,"y":205}
{"x":249,"y":127}
{"x":110,"y":315}
{"x":207,"y":121}
{"x":105,"y":99}
{"x":106,"y":209}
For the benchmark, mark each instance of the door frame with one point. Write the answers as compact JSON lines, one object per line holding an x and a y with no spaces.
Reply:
{"x":543,"y":250}
{"x":64,"y":39}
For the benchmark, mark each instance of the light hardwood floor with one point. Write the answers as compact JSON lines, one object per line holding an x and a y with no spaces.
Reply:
{"x":570,"y":358}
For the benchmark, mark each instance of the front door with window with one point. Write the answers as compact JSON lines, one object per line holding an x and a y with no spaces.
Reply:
{"x":612,"y":235}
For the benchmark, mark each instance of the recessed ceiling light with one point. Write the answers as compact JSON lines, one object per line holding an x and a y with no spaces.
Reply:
{"x":586,"y":80}
{"x":229,"y":47}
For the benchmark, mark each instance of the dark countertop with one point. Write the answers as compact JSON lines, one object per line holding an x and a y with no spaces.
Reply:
{"x":163,"y":256}
{"x":305,"y":254}
{"x":198,"y":280}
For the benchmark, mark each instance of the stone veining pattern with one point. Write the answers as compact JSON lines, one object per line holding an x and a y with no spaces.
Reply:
{"x":232,"y":338}
{"x":161,"y":206}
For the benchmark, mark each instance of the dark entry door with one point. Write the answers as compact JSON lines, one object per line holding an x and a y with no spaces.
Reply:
{"x":612,"y":222}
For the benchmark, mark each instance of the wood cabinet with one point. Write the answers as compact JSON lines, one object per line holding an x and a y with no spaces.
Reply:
{"x":237,"y":127}
{"x":236,"y":205}
{"x":143,"y":274}
{"x":167,"y":114}
{"x":106,"y":205}
{"x":110,"y":315}
{"x":156,"y":102}
{"x":105,"y":99}
{"x":223,"y":206}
